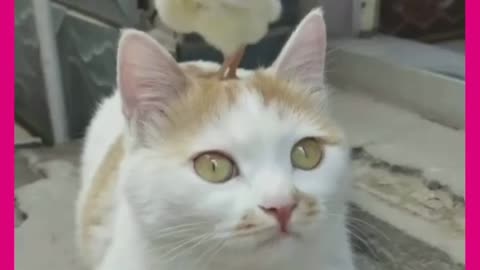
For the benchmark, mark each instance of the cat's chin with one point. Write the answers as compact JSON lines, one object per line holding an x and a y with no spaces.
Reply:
{"x":279,"y":239}
{"x":270,"y":238}
{"x":254,"y":249}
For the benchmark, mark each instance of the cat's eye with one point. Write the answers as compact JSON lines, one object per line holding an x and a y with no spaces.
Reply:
{"x":307,"y":153}
{"x":214,"y":167}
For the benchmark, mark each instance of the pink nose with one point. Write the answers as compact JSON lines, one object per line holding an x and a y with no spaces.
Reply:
{"x":282,"y":214}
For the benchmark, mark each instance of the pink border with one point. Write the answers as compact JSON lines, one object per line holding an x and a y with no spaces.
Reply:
{"x":472,"y":134}
{"x":7,"y":139}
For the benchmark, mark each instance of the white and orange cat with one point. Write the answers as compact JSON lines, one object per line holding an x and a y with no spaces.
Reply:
{"x":183,"y":171}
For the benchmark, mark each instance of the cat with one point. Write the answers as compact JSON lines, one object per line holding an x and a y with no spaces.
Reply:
{"x":183,"y":171}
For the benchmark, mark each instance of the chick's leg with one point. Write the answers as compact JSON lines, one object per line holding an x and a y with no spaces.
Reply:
{"x":231,"y":63}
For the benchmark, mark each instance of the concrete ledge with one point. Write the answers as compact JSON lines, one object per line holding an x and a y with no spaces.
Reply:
{"x":433,"y":234}
{"x":381,"y":67}
{"x":384,"y":246}
{"x":408,"y":171}
{"x":403,"y":138}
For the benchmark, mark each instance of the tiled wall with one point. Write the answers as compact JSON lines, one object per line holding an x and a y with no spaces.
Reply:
{"x":86,"y":33}
{"x":115,"y":12}
{"x":87,"y":52}
{"x":30,"y":100}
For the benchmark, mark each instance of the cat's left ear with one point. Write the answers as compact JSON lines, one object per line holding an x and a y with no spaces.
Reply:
{"x":148,"y":77}
{"x":302,"y":59}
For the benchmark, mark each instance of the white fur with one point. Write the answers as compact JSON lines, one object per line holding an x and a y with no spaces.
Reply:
{"x":162,"y":216}
{"x":261,"y":149}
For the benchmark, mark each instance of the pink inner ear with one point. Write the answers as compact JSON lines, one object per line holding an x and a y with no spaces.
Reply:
{"x":148,"y":76}
{"x":303,"y":57}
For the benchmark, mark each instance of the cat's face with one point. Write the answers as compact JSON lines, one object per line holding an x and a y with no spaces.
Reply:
{"x":241,"y":165}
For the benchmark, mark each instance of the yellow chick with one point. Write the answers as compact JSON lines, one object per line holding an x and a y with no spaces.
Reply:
{"x":228,"y":25}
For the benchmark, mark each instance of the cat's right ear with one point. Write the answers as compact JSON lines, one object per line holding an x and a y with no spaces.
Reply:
{"x":302,"y":58}
{"x":148,"y":76}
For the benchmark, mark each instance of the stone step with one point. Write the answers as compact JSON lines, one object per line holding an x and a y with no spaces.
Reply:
{"x":408,"y":171}
{"x":426,"y":79}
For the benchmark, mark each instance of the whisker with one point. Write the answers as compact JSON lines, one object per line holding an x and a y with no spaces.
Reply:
{"x":212,"y":251}
{"x":374,"y":229}
{"x":358,"y":229}
{"x":178,"y":234}
{"x":215,"y":252}
{"x":180,"y":226}
{"x":366,"y":243}
{"x":370,"y":226}
{"x":235,"y":234}
{"x":181,"y":245}
{"x":200,"y":241}
{"x":177,"y":230}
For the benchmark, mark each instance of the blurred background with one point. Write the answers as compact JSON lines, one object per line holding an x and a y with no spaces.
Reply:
{"x":80,"y":36}
{"x":397,"y":68}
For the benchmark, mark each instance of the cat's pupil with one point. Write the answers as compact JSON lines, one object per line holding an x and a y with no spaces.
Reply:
{"x":214,"y":165}
{"x":305,"y":153}
{"x":302,"y":149}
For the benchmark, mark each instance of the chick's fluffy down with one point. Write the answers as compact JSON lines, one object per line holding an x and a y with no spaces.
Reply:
{"x":225,"y":24}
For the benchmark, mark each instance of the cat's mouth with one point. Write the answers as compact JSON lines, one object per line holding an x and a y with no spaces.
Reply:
{"x":255,"y":232}
{"x":267,"y":235}
{"x":278,"y":238}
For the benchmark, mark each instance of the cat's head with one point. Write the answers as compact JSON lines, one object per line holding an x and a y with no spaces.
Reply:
{"x":240,"y":165}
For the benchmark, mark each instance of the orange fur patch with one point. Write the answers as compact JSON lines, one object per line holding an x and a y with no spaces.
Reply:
{"x":207,"y":97}
{"x":100,"y":192}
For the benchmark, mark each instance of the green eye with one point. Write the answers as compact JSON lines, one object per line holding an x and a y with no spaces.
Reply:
{"x":214,"y":167}
{"x":307,"y":154}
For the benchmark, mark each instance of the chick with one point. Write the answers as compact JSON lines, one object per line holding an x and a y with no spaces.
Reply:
{"x":228,"y":25}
